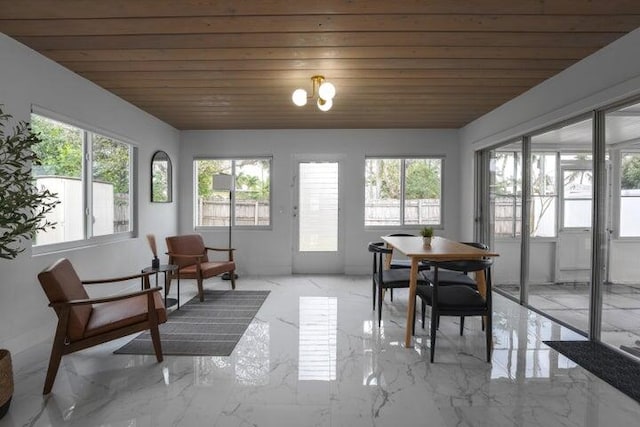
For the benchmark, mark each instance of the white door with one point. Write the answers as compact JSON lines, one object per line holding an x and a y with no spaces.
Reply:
{"x":318,"y":243}
{"x":574,"y":234}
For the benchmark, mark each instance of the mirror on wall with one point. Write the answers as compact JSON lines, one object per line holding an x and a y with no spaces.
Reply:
{"x":161,"y":180}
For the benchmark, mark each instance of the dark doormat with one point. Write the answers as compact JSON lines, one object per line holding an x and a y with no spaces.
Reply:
{"x":209,"y":328}
{"x":619,"y":371}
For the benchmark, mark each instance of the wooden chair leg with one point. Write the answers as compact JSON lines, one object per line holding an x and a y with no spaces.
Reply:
{"x":232,"y":275}
{"x":57,"y":350}
{"x":167,"y":282}
{"x":153,"y":327}
{"x":155,"y":339}
{"x":200,"y":290}
{"x":52,"y":371}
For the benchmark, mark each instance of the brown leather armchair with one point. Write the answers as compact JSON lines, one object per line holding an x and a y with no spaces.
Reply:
{"x":190,"y":254}
{"x":84,"y":322}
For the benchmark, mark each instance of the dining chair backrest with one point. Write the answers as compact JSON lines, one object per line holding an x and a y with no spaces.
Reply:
{"x":460,"y":300}
{"x":462,"y":265}
{"x":467,"y":266}
{"x":378,"y":249}
{"x":476,"y":245}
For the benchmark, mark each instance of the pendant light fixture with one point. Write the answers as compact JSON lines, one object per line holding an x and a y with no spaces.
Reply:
{"x":324,"y":90}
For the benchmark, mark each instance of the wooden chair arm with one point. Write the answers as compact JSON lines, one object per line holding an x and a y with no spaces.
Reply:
{"x":196,"y":257}
{"x":117,"y":279}
{"x":220,"y":249}
{"x":91,"y":301}
{"x":229,"y":251}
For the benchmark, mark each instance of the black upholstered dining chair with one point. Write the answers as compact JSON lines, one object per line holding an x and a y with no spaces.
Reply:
{"x":382,"y":279}
{"x":406,"y":263}
{"x":458,"y":276}
{"x":455,"y":299}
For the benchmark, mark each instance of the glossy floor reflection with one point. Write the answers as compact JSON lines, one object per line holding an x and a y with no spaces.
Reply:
{"x":314,"y":356}
{"x":569,"y":303}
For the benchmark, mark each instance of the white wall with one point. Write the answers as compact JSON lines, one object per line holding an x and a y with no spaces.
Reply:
{"x":269,"y":251}
{"x":609,"y":75}
{"x":28,"y":78}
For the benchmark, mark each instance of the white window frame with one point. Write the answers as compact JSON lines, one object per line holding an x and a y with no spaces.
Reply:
{"x":618,"y":205}
{"x":568,"y":166}
{"x":234,"y":226}
{"x":513,"y":196}
{"x":402,"y":225}
{"x":88,"y":238}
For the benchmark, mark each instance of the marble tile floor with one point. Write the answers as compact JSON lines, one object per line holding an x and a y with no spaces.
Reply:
{"x":314,"y":356}
{"x":569,"y":303}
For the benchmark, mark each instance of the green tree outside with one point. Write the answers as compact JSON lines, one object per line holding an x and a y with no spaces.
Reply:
{"x":60,"y":150}
{"x":61,"y":154}
{"x":631,"y":172}
{"x":422,"y":179}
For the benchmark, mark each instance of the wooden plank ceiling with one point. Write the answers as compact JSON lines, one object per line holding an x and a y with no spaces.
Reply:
{"x":232,"y":64}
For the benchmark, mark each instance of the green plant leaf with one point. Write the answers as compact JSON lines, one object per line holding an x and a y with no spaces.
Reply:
{"x":24,"y":207}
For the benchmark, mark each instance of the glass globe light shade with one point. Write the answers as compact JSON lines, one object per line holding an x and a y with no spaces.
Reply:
{"x":327,"y":91}
{"x":299,"y":97}
{"x":325,"y":105}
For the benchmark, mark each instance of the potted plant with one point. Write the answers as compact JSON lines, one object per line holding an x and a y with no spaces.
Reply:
{"x":23,"y":212}
{"x":427,"y":234}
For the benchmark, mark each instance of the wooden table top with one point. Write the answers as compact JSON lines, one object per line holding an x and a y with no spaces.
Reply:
{"x":441,"y":249}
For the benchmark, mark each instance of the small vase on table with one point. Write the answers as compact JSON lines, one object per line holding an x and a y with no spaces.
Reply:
{"x":427,"y":234}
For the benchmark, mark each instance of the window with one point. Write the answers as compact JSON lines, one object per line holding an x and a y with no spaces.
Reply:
{"x":403,"y":191}
{"x":544,"y":194}
{"x":506,"y":189}
{"x":250,"y":202}
{"x":630,"y":195}
{"x":96,"y":200}
{"x":577,"y":188}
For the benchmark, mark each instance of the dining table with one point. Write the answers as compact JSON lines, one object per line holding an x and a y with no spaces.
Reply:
{"x":440,"y":249}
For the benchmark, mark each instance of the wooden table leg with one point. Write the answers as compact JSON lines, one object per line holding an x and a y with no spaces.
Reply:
{"x":482,"y":283}
{"x":387,"y":259}
{"x":413,"y":284}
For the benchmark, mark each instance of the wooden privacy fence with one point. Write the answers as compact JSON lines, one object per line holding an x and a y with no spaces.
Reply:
{"x":387,"y":212}
{"x":248,"y":212}
{"x":506,"y":210}
{"x":120,"y":212}
{"x":256,"y":212}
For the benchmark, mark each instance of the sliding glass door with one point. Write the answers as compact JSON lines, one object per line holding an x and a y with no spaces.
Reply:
{"x":572,"y":251}
{"x":620,"y":292}
{"x":561,"y":188}
{"x":505,"y":215}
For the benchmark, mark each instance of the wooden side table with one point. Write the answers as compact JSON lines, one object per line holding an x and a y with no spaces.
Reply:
{"x":166,"y":268}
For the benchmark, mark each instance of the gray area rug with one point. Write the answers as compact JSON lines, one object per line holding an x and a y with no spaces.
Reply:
{"x":618,"y":370}
{"x":209,"y":328}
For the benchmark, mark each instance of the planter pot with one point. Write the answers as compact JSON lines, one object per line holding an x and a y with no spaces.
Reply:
{"x":426,"y":241}
{"x":6,"y":381}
